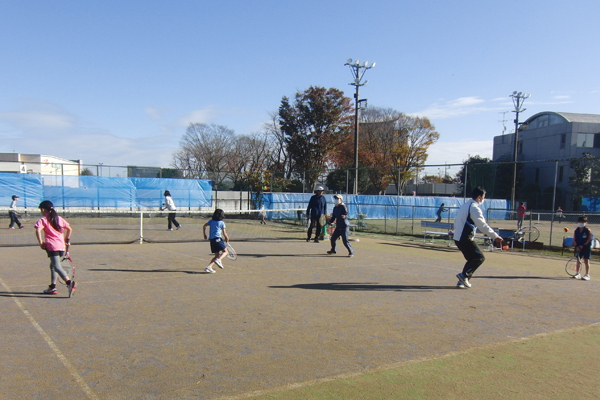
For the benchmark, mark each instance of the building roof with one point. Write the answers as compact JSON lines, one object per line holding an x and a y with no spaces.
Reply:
{"x":570,"y":117}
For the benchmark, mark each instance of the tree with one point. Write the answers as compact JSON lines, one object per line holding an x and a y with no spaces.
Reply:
{"x":496,"y":178}
{"x":313,"y":126}
{"x":586,"y":178}
{"x":205,"y":152}
{"x":392,"y":147}
{"x":251,"y":160}
{"x":86,"y":172}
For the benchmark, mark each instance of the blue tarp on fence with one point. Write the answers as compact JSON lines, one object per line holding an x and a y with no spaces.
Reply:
{"x":69,"y":191}
{"x":381,"y":207}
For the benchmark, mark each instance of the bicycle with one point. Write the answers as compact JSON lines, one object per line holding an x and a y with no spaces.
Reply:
{"x":527,"y":234}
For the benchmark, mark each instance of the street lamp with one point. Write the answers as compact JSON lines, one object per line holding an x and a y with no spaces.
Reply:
{"x":358,"y":71}
{"x":518,"y":99}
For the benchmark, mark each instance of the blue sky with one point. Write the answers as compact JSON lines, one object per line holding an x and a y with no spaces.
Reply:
{"x":118,"y":82}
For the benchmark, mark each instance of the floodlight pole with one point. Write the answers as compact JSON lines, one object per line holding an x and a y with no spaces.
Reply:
{"x":358,"y":71}
{"x":518,"y":99}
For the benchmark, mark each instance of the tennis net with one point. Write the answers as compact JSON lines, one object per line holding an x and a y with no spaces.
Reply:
{"x":116,"y":227}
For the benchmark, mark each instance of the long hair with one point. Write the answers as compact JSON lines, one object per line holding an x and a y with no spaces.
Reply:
{"x":52,"y":216}
{"x":218,"y":215}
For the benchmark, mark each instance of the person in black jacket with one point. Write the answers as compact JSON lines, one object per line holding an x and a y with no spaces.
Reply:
{"x":317,"y":206}
{"x":339,"y":216}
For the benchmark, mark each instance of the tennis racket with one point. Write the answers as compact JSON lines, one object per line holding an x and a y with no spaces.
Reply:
{"x":322,"y":221}
{"x":231,"y":254}
{"x":571,"y":266}
{"x":68,"y":266}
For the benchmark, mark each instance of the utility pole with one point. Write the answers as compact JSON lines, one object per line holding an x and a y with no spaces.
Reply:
{"x":358,"y":71}
{"x":518,"y":99}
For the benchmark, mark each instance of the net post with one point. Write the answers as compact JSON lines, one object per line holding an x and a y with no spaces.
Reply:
{"x":141,"y":227}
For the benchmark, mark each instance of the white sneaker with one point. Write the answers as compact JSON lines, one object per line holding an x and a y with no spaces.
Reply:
{"x":218,"y":262}
{"x":460,"y":285}
{"x":209,"y":270}
{"x":463,"y":279}
{"x":586,"y":277}
{"x":178,"y":227}
{"x":577,"y":276}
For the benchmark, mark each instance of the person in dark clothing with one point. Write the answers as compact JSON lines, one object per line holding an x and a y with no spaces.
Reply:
{"x":339,"y":216}
{"x":469,"y":218}
{"x":317,"y":206}
{"x":439,"y":212}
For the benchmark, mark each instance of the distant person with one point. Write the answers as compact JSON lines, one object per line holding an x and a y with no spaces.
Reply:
{"x":262,"y":214}
{"x":559,"y":214}
{"x":169,"y":204}
{"x":469,"y":218}
{"x":339,"y":217}
{"x":582,"y":240}
{"x":12,"y":213}
{"x":521,"y":211}
{"x":439,"y":212}
{"x":216,"y":234}
{"x":317,"y":206}
{"x":53,"y":234}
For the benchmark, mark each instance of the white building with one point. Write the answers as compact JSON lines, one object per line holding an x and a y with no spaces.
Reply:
{"x":38,"y":164}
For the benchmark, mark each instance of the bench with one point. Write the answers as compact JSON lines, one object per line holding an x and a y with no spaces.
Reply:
{"x":568,"y":243}
{"x":359,"y":223}
{"x":441,"y":229}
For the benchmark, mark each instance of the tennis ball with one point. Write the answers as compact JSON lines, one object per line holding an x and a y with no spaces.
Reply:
{"x":566,"y":229}
{"x":505,"y":247}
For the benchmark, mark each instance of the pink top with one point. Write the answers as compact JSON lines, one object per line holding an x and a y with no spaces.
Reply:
{"x":55,"y":240}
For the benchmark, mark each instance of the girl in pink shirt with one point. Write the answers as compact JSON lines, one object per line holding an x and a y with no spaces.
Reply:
{"x":52,"y":232}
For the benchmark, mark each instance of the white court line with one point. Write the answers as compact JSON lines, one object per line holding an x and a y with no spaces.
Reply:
{"x":90,"y":394}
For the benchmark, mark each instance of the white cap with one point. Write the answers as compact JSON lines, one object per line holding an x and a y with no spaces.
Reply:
{"x":338,"y":196}
{"x":319,"y":189}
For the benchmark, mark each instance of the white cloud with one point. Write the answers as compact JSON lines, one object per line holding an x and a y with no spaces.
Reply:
{"x":38,"y":127}
{"x":154,"y":113}
{"x":202,"y":116}
{"x":453,"y":108}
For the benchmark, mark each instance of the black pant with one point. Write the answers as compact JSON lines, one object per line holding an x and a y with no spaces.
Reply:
{"x":315,"y":221}
{"x":13,"y":219}
{"x":341,"y":233}
{"x":472,"y":254}
{"x":172,"y":220}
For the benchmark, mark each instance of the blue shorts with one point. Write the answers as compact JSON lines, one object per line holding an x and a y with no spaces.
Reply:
{"x":217,"y":245}
{"x":586,"y":252}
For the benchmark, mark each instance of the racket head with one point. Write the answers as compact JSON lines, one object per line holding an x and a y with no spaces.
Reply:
{"x":571,"y":266}
{"x":66,"y":262}
{"x":322,"y":220}
{"x":231,"y":253}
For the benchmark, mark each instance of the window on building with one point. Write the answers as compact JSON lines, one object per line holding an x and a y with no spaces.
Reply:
{"x":588,"y":140}
{"x":563,"y":140}
{"x":561,"y":170}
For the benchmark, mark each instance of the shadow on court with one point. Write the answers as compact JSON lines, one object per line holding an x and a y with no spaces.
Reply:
{"x":363,"y":286}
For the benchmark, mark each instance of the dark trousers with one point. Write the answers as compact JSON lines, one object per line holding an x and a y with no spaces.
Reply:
{"x":13,"y":219}
{"x":472,"y":254}
{"x":172,"y":220}
{"x":315,"y":221}
{"x":341,"y":233}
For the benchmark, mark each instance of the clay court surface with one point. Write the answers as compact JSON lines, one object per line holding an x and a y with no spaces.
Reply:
{"x":287,"y":321}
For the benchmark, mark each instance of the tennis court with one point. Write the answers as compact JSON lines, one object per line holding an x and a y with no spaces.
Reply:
{"x":147,"y":323}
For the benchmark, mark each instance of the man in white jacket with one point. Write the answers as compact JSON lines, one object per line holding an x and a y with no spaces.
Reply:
{"x":469,"y":218}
